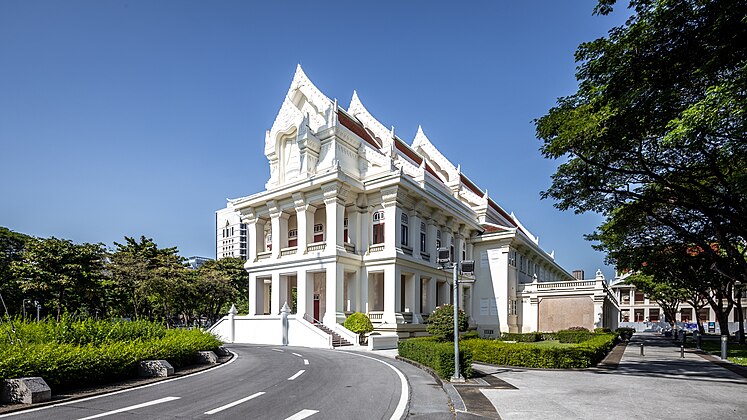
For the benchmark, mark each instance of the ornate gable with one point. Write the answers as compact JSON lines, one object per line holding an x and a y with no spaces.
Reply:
{"x":290,"y":145}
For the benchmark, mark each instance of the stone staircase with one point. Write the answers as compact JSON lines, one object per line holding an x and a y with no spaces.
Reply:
{"x":337,"y":341}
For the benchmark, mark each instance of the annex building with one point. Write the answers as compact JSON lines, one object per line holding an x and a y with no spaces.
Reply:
{"x":350,"y":220}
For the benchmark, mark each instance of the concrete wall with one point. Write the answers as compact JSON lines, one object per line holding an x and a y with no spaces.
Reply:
{"x":267,"y":329}
{"x":565,"y":312}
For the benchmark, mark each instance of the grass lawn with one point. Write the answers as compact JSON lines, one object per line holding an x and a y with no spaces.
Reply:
{"x":735,"y":352}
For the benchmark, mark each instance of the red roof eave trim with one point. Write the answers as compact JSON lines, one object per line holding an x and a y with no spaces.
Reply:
{"x":356,"y":128}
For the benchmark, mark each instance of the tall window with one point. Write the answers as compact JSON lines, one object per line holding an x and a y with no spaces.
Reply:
{"x":464,"y":251}
{"x":438,"y":239}
{"x":378,"y":227}
{"x":318,"y":232}
{"x":423,"y":238}
{"x":268,"y":242}
{"x":345,"y":230}
{"x":293,"y":237}
{"x":404,"y":230}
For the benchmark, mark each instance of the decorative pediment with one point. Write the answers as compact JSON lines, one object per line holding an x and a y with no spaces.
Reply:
{"x":443,"y":168}
{"x":290,"y":145}
{"x":376,"y":128}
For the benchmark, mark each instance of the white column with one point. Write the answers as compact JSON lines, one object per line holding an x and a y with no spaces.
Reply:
{"x":430,"y":296}
{"x":414,"y":298}
{"x":364,"y":230}
{"x":335,"y":208}
{"x":335,"y":276}
{"x":390,"y":294}
{"x":275,"y":303}
{"x":415,"y":234}
{"x":353,"y":228}
{"x":256,"y":288}
{"x":303,"y":293}
{"x":275,"y":225}
{"x":363,"y":290}
{"x":305,"y":220}
{"x":431,"y":229}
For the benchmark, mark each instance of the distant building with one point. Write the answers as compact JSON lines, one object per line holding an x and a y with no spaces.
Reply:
{"x":231,"y":234}
{"x":195,"y":262}
{"x":351,"y":219}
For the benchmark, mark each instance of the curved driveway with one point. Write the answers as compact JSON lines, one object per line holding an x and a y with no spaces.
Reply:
{"x":263,"y":382}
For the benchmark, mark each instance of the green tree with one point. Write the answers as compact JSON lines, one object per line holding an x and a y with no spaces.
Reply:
{"x":441,"y":322}
{"x":150,"y":278}
{"x":62,"y":275}
{"x":219,"y":284}
{"x":11,"y":248}
{"x":664,"y":293}
{"x":655,"y":136}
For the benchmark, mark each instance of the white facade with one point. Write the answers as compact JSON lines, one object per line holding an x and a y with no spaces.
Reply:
{"x":351,"y":219}
{"x":231,"y":234}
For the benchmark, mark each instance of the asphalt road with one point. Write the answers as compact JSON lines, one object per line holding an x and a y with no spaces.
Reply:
{"x":263,"y":382}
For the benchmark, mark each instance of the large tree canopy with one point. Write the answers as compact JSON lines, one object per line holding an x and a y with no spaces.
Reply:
{"x":655,"y":138}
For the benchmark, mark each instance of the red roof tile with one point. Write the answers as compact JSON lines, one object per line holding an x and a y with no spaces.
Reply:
{"x":356,"y":128}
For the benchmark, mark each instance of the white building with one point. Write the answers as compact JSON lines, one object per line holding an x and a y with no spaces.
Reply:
{"x":351,"y":219}
{"x":231,"y":234}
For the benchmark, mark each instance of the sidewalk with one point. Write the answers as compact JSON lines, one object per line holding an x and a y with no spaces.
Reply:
{"x":658,"y":385}
{"x":427,"y":398}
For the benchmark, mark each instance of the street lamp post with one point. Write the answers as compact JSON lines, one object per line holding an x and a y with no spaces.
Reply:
{"x":467,"y":266}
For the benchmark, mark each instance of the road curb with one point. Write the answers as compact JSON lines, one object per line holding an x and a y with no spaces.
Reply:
{"x":120,"y":386}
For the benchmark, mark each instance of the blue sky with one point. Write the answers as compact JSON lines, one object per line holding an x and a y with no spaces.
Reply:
{"x":140,"y":118}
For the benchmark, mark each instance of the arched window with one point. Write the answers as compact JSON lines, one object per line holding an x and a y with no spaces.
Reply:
{"x":319,"y":232}
{"x":378,"y":227}
{"x":423,"y":238}
{"x":404,"y":230}
{"x":292,"y":237}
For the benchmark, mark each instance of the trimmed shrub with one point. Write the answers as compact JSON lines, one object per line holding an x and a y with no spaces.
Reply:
{"x":573,"y":336}
{"x":358,"y":323}
{"x":625,"y":332}
{"x":522,"y":337}
{"x":602,"y":330}
{"x":82,"y":353}
{"x":439,"y":356}
{"x":582,"y":355}
{"x":441,"y":322}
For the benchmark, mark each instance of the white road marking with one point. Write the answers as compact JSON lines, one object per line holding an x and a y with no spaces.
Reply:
{"x":227,"y":406}
{"x":399,"y":411}
{"x":302,"y":414}
{"x":296,"y":354}
{"x":305,"y":361}
{"x":277,"y":350}
{"x":299,"y":373}
{"x":132,"y":407}
{"x":121,"y":391}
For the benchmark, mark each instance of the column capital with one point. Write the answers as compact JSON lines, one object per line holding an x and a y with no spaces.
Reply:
{"x":274,"y":208}
{"x":336,"y":190}
{"x":248,"y":215}
{"x":389,"y":196}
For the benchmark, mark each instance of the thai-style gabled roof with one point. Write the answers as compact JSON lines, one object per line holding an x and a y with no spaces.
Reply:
{"x":357,"y":110}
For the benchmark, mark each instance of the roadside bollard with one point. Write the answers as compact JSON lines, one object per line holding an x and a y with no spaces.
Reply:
{"x":723,"y":346}
{"x":696,"y":335}
{"x":642,"y":349}
{"x":682,"y":351}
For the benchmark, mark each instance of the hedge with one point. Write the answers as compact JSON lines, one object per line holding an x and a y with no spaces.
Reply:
{"x":522,"y":337}
{"x":583,"y":355}
{"x":439,"y":356}
{"x":69,"y":365}
{"x":573,"y":336}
